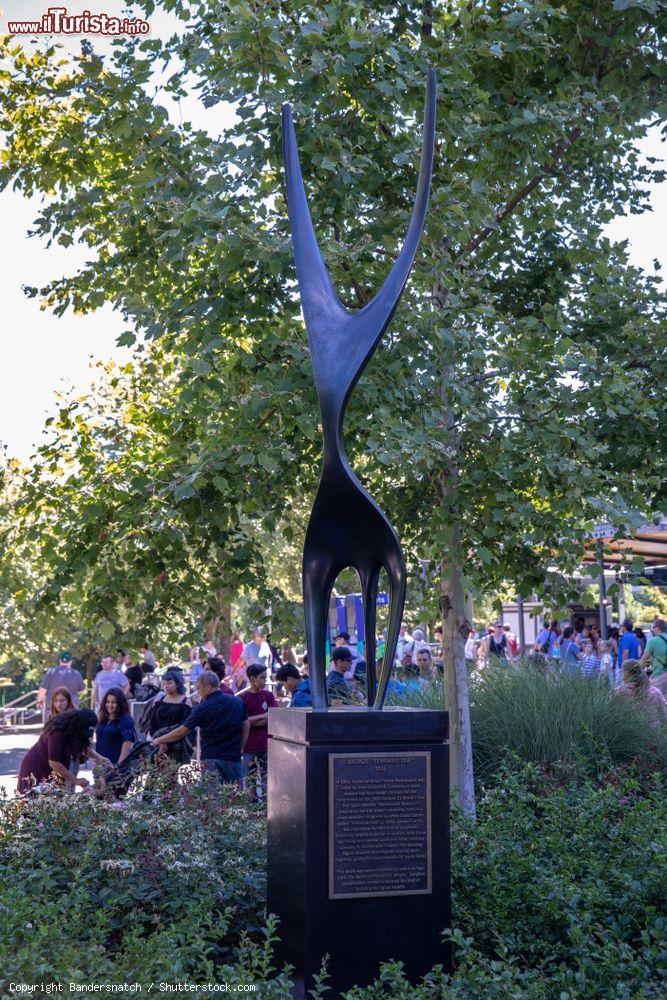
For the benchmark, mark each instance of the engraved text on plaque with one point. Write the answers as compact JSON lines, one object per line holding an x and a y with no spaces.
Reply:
{"x":379,"y":824}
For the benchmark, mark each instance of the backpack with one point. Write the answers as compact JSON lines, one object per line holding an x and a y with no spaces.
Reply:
{"x":146,"y":719}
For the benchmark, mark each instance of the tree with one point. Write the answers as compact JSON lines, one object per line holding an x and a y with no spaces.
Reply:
{"x":518,"y":397}
{"x":138,"y":513}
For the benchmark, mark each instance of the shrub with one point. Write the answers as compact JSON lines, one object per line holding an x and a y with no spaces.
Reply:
{"x":176,"y":876}
{"x":554,"y":718}
{"x":558,"y":891}
{"x":566,"y":879}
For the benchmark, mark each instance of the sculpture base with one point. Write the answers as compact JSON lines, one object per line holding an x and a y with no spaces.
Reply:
{"x":358,"y":841}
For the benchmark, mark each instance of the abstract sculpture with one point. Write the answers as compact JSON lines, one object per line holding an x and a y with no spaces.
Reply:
{"x":347,"y":528}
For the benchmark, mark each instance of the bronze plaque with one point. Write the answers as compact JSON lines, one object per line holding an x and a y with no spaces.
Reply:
{"x":379,"y":824}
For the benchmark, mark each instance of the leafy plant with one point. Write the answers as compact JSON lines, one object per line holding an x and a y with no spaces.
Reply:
{"x":177,"y":874}
{"x":558,"y":891}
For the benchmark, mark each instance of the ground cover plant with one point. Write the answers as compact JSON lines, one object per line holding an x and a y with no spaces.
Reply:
{"x":558,"y":891}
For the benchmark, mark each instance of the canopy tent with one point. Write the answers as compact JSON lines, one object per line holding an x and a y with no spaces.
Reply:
{"x":648,"y":541}
{"x":608,"y":549}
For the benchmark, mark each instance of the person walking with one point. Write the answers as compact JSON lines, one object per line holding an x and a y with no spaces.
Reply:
{"x":223,"y":726}
{"x":257,"y":701}
{"x":257,"y":650}
{"x":63,"y":675}
{"x":569,"y":651}
{"x":628,"y":647}
{"x":607,"y":669}
{"x":547,"y":638}
{"x":512,"y":644}
{"x":590,"y":661}
{"x":655,"y":654}
{"x":236,"y":647}
{"x":496,"y":645}
{"x":148,"y":656}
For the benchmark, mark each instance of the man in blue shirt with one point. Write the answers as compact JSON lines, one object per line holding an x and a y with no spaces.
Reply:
{"x":295,"y":685}
{"x":223,"y":725}
{"x":339,"y":689}
{"x":628,"y":647}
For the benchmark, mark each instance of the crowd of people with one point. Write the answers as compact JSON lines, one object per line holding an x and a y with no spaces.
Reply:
{"x":580,"y":647}
{"x":228,"y":704}
{"x":628,"y":660}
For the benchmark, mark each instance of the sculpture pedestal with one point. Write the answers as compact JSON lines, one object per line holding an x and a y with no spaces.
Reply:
{"x":358,"y":841}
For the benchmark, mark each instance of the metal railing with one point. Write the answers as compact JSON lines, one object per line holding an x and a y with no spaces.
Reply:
{"x":21,"y":710}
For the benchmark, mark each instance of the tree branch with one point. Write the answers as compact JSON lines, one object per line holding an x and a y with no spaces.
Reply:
{"x":473,"y":379}
{"x":559,"y":153}
{"x":523,"y":192}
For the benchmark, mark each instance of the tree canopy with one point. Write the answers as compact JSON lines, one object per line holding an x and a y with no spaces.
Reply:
{"x":518,"y":395}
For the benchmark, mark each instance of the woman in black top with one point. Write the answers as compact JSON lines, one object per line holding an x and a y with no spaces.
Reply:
{"x":168,"y":710}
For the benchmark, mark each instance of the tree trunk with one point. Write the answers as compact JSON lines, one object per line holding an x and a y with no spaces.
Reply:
{"x":455,"y":628}
{"x":90,"y":666}
{"x":219,"y":626}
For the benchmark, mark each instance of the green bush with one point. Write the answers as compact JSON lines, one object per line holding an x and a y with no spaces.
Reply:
{"x":169,"y":880}
{"x":557,"y":719}
{"x":558,"y":891}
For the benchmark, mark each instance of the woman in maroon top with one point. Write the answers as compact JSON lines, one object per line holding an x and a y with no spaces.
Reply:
{"x":64,"y":736}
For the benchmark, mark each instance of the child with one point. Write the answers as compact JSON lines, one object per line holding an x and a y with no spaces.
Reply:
{"x":607,"y":663}
{"x":590,"y":664}
{"x":257,"y":701}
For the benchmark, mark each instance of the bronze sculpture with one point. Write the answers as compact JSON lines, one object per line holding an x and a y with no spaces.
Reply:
{"x":346,"y":527}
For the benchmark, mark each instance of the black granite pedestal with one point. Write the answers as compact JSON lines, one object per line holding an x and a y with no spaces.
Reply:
{"x":358,"y":841}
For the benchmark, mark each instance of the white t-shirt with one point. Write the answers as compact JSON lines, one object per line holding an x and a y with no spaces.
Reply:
{"x":107,"y":679}
{"x":404,"y":645}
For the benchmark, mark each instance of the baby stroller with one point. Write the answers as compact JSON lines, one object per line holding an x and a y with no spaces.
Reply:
{"x":119,"y":777}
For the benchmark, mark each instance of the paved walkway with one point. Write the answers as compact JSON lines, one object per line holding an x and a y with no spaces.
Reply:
{"x":14,"y":741}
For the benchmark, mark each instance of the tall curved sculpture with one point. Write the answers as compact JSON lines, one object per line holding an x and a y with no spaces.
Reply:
{"x":347,"y":528}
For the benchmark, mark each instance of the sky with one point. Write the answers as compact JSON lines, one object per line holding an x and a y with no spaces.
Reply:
{"x":42,"y":354}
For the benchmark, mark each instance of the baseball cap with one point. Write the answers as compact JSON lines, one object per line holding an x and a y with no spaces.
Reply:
{"x":65,"y":657}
